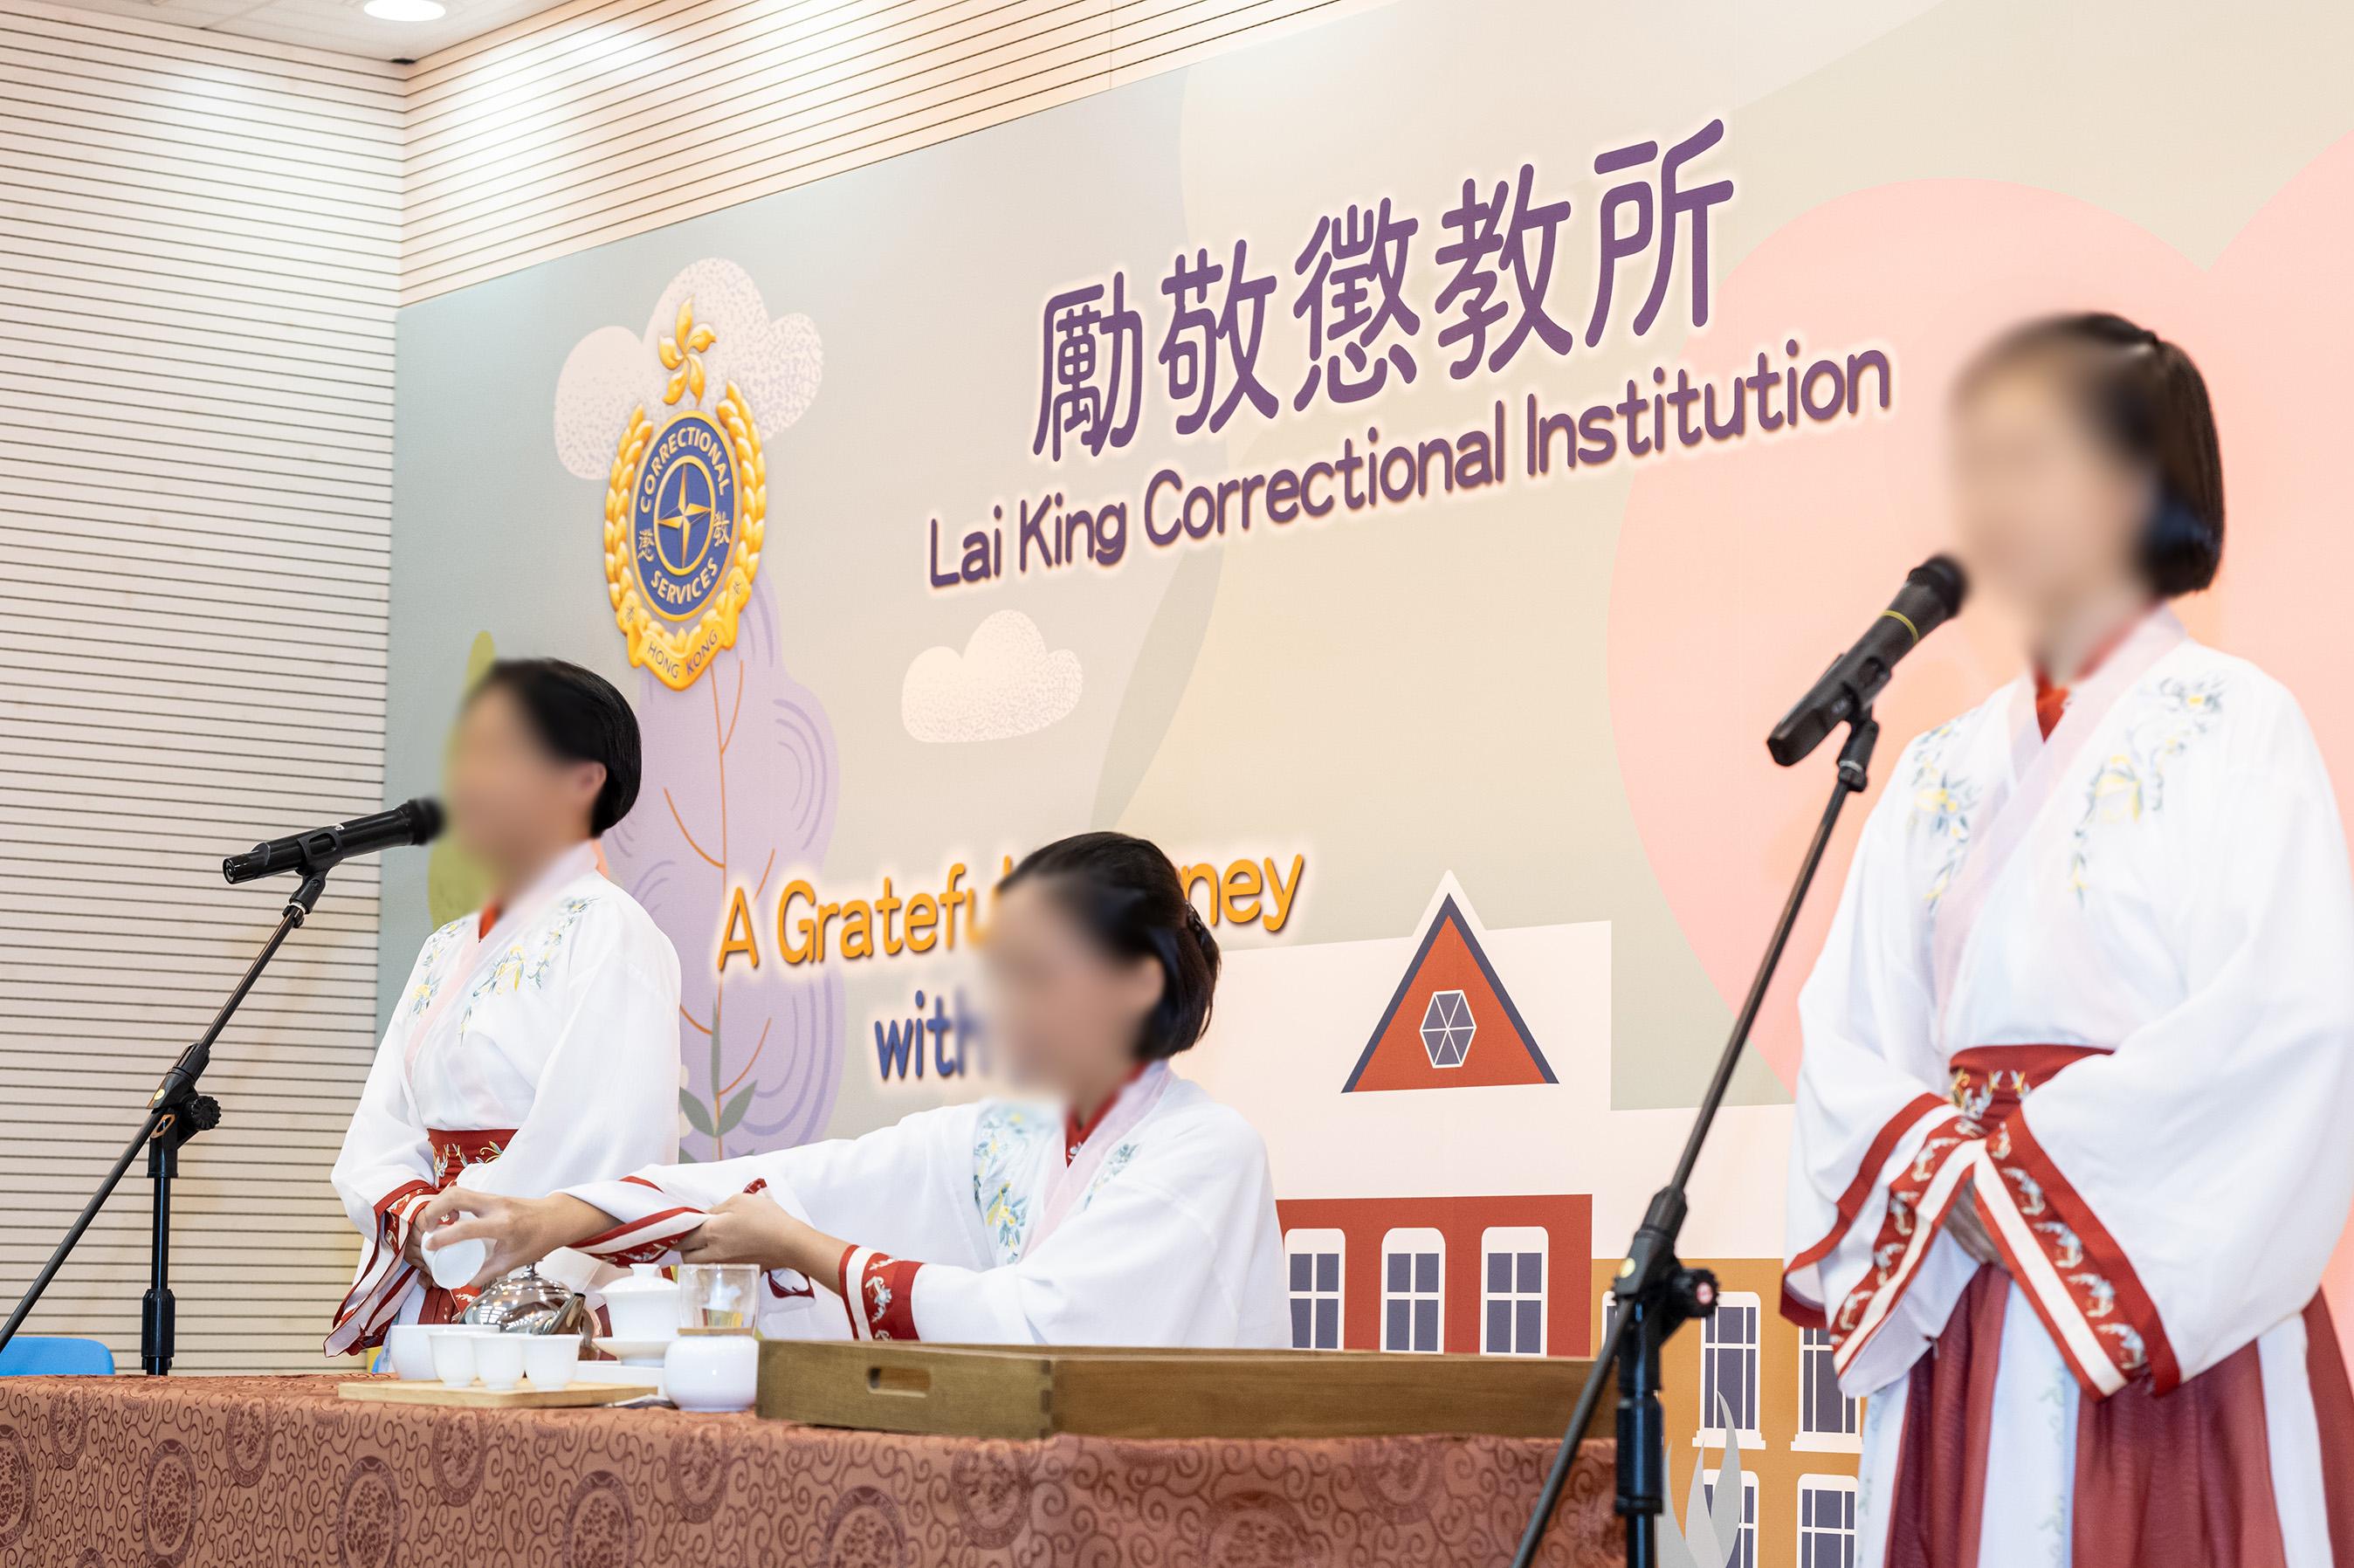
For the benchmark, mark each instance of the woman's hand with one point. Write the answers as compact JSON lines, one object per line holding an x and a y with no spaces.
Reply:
{"x":1962,"y":1224}
{"x":749,"y":1227}
{"x":517,"y":1230}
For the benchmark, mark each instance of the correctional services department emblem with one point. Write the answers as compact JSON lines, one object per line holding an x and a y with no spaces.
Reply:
{"x":686,"y":500}
{"x":685,"y":515}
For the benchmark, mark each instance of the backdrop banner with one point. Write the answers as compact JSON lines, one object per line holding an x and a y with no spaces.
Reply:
{"x":1402,"y":466}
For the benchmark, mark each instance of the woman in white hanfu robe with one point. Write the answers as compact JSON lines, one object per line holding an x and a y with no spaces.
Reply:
{"x":2073,"y":1139}
{"x":1122,"y":1207}
{"x":535,"y":1043}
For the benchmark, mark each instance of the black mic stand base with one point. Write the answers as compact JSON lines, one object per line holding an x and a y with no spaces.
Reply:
{"x":1660,"y":1296}
{"x":1654,"y":1294}
{"x":180,"y":1121}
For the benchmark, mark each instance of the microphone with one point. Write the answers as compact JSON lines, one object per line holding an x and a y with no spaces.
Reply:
{"x":323,"y":847}
{"x":1931,"y":596}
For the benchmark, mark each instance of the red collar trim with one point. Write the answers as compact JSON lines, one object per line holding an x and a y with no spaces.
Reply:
{"x":2052,"y":702}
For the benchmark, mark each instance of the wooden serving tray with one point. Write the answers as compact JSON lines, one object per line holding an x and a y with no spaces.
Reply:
{"x":391,"y":1391}
{"x":1015,"y":1391}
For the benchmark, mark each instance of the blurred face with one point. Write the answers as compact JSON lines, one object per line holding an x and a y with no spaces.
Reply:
{"x":2050,"y":518}
{"x":1065,"y":1014}
{"x":514,"y":804}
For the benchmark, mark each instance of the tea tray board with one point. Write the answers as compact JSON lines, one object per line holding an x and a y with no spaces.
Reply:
{"x":392,"y":1391}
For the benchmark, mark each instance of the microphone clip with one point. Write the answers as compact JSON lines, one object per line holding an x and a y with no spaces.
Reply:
{"x":1855,"y":757}
{"x":305,"y":897}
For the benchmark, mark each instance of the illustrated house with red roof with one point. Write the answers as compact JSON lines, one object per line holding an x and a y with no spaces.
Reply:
{"x":1445,"y":1146}
{"x":1473,"y":1273}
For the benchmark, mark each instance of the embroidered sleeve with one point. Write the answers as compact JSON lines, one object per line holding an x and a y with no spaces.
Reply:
{"x":1868,"y":1103}
{"x":1924,"y":1112}
{"x":1919,"y":1195}
{"x":375,"y":1298}
{"x":878,"y":1292}
{"x":2073,"y":1271}
{"x":651,"y":1237}
{"x":653,"y":1227}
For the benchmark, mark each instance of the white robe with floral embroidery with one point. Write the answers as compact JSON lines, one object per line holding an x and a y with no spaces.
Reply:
{"x":973,"y":1224}
{"x":2165,"y":882}
{"x":557,"y":1029}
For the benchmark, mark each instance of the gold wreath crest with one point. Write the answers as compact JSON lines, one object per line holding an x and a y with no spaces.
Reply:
{"x":678,"y":652}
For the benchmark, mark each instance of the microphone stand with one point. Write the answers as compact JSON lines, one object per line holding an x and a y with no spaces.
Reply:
{"x":1654,"y":1293}
{"x":175,"y":1113}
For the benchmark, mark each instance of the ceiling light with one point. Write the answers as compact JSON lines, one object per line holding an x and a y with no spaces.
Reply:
{"x":405,"y":10}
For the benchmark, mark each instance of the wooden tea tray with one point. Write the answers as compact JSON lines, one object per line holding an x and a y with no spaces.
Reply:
{"x":1019,"y":1391}
{"x":392,"y":1391}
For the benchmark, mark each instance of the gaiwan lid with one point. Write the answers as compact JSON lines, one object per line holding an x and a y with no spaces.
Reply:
{"x":644,"y":1280}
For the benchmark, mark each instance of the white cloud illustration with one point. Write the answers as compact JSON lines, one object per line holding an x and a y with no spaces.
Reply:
{"x":1004,"y":683}
{"x":777,"y":363}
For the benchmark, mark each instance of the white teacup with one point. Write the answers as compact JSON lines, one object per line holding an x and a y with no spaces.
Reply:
{"x":549,"y":1361}
{"x":498,"y":1360}
{"x":452,"y":1345}
{"x":453,"y":1266}
{"x":712,"y":1371}
{"x":409,"y":1349}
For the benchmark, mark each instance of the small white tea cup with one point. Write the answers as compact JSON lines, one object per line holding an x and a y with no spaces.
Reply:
{"x":453,"y":1354}
{"x":453,"y":1266}
{"x":549,"y":1361}
{"x":409,"y":1349}
{"x":498,"y":1360}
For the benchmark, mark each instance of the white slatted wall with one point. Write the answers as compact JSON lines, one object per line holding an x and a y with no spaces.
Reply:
{"x":600,"y":119}
{"x":198,"y":244}
{"x":202,"y":240}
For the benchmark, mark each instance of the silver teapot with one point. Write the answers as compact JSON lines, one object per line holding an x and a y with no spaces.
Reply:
{"x":525,"y":1302}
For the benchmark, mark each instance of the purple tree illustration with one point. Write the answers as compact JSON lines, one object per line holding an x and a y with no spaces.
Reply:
{"x":740,"y":781}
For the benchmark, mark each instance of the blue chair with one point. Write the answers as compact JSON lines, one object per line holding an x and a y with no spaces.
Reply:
{"x":39,"y":1355}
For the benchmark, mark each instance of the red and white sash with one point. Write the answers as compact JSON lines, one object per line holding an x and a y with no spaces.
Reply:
{"x":374,"y":1300}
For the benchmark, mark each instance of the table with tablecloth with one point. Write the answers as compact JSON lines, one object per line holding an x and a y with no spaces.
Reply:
{"x":278,"y":1471}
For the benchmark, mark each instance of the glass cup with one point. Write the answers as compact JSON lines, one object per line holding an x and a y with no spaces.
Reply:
{"x":718,"y":1298}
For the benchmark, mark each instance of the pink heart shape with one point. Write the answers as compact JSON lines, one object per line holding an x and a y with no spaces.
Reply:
{"x":1742,"y":570}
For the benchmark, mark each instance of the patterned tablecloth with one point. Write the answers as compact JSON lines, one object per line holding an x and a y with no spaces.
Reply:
{"x":278,"y":1471}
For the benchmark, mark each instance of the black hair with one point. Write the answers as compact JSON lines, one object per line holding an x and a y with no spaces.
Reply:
{"x":2145,"y":397}
{"x":577,"y":715}
{"x":1125,"y":892}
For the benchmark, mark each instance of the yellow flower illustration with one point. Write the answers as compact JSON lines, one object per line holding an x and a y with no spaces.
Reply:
{"x":682,"y":354}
